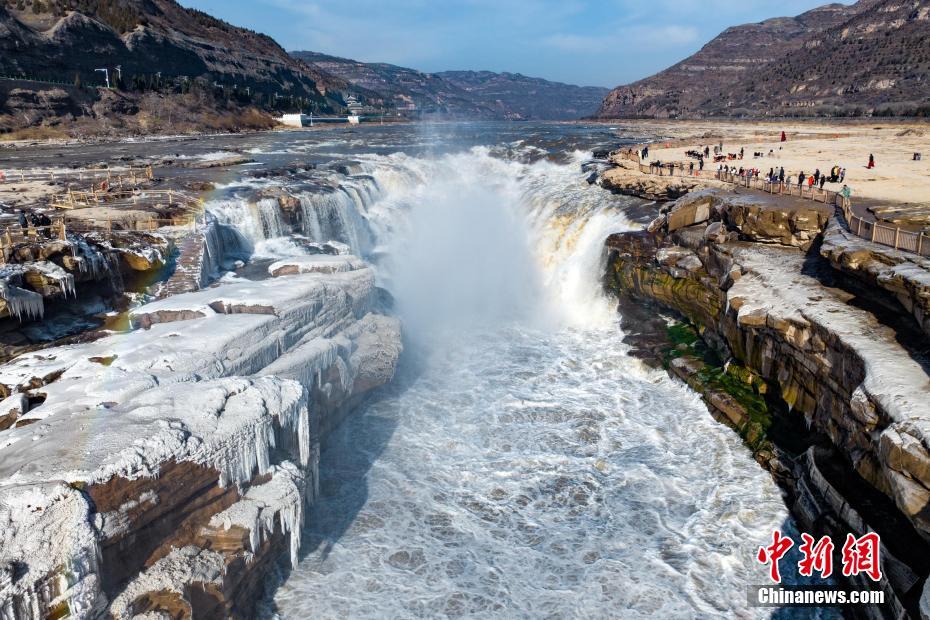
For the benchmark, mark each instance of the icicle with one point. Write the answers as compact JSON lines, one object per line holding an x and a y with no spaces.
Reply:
{"x":52,"y":271}
{"x":303,"y":435}
{"x":22,"y":302}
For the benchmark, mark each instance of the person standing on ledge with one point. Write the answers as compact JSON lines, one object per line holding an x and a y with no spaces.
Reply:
{"x":784,"y":138}
{"x":871,"y":161}
{"x":845,"y":193}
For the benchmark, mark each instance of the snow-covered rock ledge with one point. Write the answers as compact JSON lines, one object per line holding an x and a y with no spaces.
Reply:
{"x":835,"y":375}
{"x":162,"y":470}
{"x":904,"y":275}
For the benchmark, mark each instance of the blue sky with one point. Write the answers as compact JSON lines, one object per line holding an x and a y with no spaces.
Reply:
{"x":597,"y":42}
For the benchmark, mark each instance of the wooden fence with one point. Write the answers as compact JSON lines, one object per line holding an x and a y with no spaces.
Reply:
{"x":113,"y":177}
{"x":11,"y":236}
{"x":125,"y":198}
{"x":892,"y":236}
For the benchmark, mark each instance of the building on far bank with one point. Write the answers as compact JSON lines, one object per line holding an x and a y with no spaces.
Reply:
{"x":355,"y":106}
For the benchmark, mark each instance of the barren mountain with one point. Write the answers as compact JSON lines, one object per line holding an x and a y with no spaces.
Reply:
{"x":833,"y":60}
{"x":469,"y":94}
{"x":58,"y":38}
{"x":527,"y":97}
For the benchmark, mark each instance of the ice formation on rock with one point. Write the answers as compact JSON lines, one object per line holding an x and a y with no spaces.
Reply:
{"x":280,"y":501}
{"x":182,"y":567}
{"x":45,"y":531}
{"x":219,"y":379}
{"x":21,"y":302}
{"x":320,"y":263}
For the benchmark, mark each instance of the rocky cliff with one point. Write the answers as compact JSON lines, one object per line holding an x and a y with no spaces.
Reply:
{"x":833,"y":60}
{"x":904,"y":275}
{"x":624,"y":177}
{"x":163,"y":471}
{"x":802,"y":355}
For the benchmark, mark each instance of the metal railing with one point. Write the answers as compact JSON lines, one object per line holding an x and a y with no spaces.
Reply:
{"x":893,"y":236}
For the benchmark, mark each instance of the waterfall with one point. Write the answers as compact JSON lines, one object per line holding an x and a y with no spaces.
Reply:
{"x":329,"y":212}
{"x":337,"y":216}
{"x":473,"y":233}
{"x":521,"y":449}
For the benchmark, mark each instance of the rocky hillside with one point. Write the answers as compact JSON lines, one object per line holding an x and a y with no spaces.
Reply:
{"x":469,"y":94}
{"x":62,"y":39}
{"x":149,"y":46}
{"x":836,"y":60}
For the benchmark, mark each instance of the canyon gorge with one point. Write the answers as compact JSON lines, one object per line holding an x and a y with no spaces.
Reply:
{"x":385,"y":369}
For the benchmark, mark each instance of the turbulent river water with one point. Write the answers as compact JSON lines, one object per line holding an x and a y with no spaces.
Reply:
{"x":521,"y":464}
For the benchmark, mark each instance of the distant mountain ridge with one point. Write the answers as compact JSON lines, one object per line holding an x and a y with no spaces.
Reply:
{"x":468,"y":94}
{"x":400,"y":87}
{"x":527,"y":97}
{"x":836,"y":60}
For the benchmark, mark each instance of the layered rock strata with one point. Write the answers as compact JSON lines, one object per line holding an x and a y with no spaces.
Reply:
{"x":835,"y":366}
{"x":39,"y":269}
{"x":904,"y":275}
{"x":160,"y":472}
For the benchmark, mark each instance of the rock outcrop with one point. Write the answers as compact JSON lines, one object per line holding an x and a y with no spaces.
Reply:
{"x":751,"y":216}
{"x":836,"y":367}
{"x":40,"y":268}
{"x":163,"y":471}
{"x":626,"y":178}
{"x":904,"y":275}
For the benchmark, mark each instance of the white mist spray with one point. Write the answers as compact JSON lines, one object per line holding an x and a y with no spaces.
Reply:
{"x":485,"y":241}
{"x":463,"y":259}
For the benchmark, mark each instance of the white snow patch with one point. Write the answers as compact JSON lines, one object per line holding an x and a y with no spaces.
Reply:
{"x":774,"y":285}
{"x":318,"y":263}
{"x":182,"y":567}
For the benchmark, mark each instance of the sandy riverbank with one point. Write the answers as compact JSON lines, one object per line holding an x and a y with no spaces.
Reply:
{"x":895,"y":179}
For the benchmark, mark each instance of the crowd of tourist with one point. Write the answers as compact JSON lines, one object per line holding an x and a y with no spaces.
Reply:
{"x":697,"y":157}
{"x":818,"y":179}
